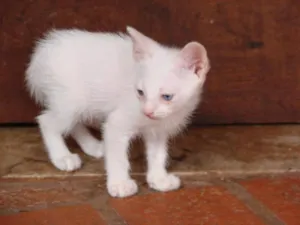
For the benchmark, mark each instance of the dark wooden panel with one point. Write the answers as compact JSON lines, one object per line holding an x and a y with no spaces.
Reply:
{"x":253,"y":46}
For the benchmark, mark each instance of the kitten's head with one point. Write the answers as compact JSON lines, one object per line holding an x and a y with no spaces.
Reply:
{"x":169,"y":79}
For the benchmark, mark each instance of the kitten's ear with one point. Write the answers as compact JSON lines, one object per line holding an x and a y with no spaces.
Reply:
{"x":143,"y":46}
{"x":193,"y":57}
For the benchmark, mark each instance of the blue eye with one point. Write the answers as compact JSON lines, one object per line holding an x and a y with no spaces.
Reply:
{"x":140,"y":92}
{"x":167,"y":97}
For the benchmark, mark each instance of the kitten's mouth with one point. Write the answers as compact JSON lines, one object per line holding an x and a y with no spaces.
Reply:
{"x":150,"y":117}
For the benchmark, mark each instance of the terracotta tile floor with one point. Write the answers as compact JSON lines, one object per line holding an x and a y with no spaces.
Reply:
{"x":257,"y":181}
{"x":80,"y":214}
{"x":260,"y":200}
{"x":280,"y":195}
{"x":206,"y":205}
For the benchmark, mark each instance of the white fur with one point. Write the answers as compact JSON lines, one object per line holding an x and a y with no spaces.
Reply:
{"x":80,"y":76}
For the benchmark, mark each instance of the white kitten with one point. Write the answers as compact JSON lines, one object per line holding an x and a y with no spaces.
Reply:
{"x":130,"y":83}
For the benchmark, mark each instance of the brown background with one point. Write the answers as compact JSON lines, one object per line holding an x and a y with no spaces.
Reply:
{"x":253,"y":46}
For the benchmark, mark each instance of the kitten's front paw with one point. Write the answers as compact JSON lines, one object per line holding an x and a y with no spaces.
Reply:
{"x":167,"y":182}
{"x":94,"y":149}
{"x":67,"y":163}
{"x":123,"y":188}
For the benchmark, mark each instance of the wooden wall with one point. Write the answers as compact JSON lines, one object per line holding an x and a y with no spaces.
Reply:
{"x":253,"y":47}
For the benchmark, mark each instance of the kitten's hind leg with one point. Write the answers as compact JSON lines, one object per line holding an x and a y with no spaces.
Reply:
{"x":52,"y":129}
{"x":88,"y":143}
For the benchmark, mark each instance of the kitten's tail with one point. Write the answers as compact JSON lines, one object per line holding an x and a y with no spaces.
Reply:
{"x":36,"y":75}
{"x":33,"y":80}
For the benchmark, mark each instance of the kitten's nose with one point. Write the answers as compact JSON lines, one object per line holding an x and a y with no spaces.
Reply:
{"x":148,"y":110}
{"x":148,"y":113}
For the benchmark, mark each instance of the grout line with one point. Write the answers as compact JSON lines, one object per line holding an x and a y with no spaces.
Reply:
{"x":259,"y":209}
{"x":207,"y":173}
{"x":108,"y":213}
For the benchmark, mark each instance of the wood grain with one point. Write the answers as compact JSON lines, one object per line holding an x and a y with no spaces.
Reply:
{"x":253,"y":47}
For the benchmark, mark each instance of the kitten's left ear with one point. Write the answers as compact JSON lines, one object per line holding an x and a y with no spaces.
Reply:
{"x":143,"y":46}
{"x":193,"y":57}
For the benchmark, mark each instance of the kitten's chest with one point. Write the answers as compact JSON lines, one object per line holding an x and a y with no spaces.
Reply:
{"x":168,"y":126}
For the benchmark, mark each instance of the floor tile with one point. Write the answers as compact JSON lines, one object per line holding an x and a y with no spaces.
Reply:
{"x":30,"y":198}
{"x":192,"y":206}
{"x":281,"y":195}
{"x":221,"y":149}
{"x":29,"y":194}
{"x":71,"y":215}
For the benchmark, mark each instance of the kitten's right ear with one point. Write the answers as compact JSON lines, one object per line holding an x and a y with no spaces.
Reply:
{"x":143,"y":46}
{"x":194,"y":57}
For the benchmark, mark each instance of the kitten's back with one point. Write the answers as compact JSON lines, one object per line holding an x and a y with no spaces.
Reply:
{"x":74,"y":59}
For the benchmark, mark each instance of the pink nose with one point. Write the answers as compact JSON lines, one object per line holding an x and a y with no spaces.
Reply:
{"x":148,"y":114}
